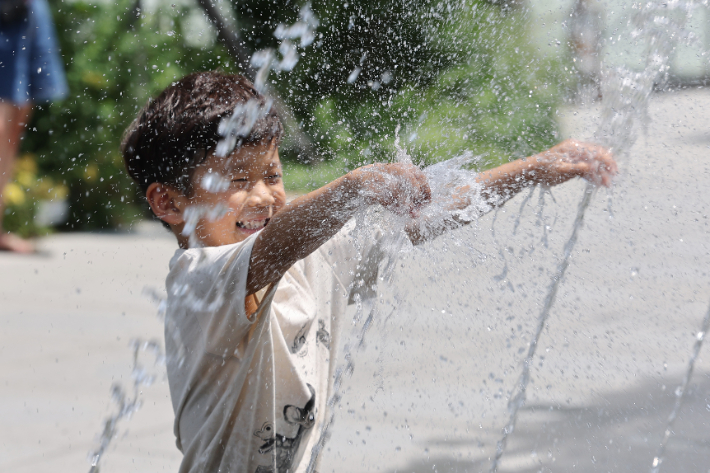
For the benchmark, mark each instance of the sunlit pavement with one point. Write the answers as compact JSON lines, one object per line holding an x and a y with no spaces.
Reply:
{"x":429,"y":388}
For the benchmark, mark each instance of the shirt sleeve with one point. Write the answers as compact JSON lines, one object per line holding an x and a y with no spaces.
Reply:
{"x":206,"y":288}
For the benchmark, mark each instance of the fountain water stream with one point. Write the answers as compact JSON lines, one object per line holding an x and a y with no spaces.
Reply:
{"x":624,"y":112}
{"x":128,"y":401}
{"x":625,"y":98}
{"x":680,"y":393}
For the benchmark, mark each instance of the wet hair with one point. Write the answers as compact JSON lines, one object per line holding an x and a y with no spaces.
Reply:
{"x":177,"y":131}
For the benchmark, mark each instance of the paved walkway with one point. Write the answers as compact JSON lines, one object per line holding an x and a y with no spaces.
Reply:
{"x":429,"y":388}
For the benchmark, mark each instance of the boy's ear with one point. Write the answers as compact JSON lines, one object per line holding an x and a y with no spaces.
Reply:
{"x":166,"y":202}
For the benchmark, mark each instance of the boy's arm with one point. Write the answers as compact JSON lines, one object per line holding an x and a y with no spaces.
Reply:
{"x":310,"y":220}
{"x":558,"y":164}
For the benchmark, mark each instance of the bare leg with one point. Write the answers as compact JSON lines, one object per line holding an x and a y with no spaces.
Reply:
{"x":13,"y":120}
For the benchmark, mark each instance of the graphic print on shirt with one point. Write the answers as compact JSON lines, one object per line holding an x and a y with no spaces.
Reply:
{"x":322,"y":335}
{"x":300,"y":340}
{"x":281,"y":447}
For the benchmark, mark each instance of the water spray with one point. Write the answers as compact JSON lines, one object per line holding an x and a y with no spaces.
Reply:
{"x":680,"y":393}
{"x":127,"y":403}
{"x":239,"y":124}
{"x":625,"y":97}
{"x":517,"y":398}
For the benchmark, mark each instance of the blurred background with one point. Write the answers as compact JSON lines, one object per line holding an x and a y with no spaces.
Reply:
{"x":484,"y":75}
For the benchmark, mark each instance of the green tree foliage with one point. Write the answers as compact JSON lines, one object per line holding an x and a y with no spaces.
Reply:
{"x":116,"y":57}
{"x":451,"y":76}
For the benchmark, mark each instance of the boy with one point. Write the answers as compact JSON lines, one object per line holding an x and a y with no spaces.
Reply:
{"x":256,"y":290}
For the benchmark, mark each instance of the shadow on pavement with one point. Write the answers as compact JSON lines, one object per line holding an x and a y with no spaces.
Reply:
{"x":621,"y":433}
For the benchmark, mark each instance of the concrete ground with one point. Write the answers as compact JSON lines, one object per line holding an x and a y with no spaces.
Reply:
{"x":430,"y":386}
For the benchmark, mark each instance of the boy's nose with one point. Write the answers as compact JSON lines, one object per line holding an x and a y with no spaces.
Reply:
{"x":261,"y":195}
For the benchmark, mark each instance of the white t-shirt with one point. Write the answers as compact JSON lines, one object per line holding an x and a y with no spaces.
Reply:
{"x":250,"y":395}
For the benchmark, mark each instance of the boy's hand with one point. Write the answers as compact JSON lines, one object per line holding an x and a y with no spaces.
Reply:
{"x":570,"y":159}
{"x":401,"y":188}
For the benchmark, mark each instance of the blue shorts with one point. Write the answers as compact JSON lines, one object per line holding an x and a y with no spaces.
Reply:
{"x":31,"y":69}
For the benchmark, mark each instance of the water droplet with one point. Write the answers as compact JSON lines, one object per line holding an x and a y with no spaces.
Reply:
{"x":353,"y":75}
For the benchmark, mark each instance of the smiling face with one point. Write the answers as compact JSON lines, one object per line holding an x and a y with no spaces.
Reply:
{"x":247,"y":186}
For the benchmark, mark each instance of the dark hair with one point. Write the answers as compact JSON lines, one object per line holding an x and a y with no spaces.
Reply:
{"x":175,"y":132}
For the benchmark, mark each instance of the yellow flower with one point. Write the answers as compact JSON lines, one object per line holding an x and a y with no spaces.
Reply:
{"x":61,"y":192}
{"x":13,"y":194}
{"x":47,"y":190}
{"x":26,"y":164}
{"x":25,"y":179}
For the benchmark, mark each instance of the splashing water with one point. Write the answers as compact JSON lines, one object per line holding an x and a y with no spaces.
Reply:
{"x":240,"y":124}
{"x":193,"y":215}
{"x":448,"y":180}
{"x":368,"y":306}
{"x":517,"y":397}
{"x":214,"y":182}
{"x":626,"y":93}
{"x":235,"y":128}
{"x":625,"y":98}
{"x":127,"y":404}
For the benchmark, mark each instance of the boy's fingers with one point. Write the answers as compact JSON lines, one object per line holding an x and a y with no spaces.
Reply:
{"x":607,"y":168}
{"x":605,"y":156}
{"x":599,"y":174}
{"x":424,"y":189}
{"x":591,"y":161}
{"x":404,"y":188}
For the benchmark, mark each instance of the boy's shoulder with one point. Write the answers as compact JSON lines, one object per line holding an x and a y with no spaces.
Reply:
{"x":210,"y":257}
{"x":342,"y":257}
{"x":206,"y":271}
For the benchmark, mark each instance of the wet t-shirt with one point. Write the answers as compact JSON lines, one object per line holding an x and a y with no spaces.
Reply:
{"x":249,"y":394}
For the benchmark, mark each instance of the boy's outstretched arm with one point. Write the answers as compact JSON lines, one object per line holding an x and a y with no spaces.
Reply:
{"x":312,"y":219}
{"x":558,"y":164}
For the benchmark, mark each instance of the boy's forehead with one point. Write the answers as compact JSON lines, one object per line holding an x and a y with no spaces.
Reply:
{"x":246,"y":157}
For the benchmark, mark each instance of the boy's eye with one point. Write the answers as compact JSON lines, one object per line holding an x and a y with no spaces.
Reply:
{"x":274,"y":178}
{"x":240,"y":181}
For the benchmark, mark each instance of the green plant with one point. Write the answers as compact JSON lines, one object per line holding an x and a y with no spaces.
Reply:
{"x":451,"y":76}
{"x":24,"y":194}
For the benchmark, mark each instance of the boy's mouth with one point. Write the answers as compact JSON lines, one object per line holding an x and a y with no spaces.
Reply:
{"x":253,"y":224}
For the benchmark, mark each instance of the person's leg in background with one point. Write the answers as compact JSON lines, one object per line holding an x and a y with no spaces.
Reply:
{"x":31,"y":71}
{"x":13,"y":121}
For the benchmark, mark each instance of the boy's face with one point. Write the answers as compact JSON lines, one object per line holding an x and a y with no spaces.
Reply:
{"x":248,"y":185}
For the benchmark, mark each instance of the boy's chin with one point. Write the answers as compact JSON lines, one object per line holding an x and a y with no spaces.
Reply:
{"x":246,"y":232}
